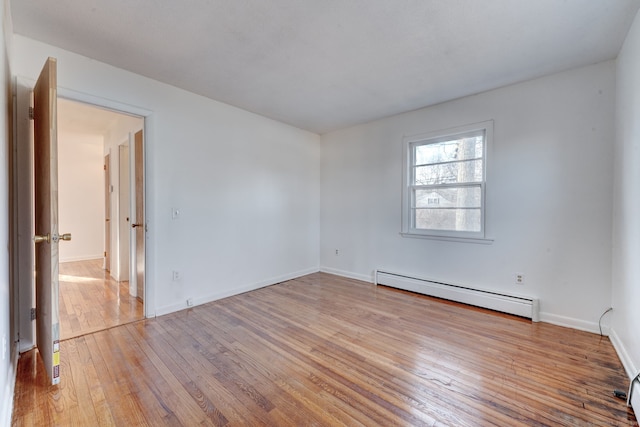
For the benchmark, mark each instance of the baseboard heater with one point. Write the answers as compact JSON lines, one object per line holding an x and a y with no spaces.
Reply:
{"x":518,"y":305}
{"x":633,"y":397}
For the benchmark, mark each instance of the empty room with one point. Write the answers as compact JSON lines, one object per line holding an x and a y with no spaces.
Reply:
{"x":352,"y":212}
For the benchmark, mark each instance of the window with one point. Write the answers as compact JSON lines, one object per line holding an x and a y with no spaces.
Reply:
{"x":444,"y":188}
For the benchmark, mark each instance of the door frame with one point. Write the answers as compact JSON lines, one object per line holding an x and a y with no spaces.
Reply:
{"x":24,"y":286}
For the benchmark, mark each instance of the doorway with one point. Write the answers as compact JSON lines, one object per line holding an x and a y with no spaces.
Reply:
{"x":95,"y":166}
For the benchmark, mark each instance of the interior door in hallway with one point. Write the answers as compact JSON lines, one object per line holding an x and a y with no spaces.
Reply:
{"x":139,"y":225}
{"x":107,"y":213}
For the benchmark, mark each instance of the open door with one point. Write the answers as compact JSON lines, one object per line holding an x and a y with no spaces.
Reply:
{"x":139,"y":225}
{"x":107,"y":212}
{"x":46,"y":218}
{"x":124,"y":213}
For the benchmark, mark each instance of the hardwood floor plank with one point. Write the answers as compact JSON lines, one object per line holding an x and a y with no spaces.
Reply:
{"x":367,"y":376}
{"x":96,"y":394}
{"x":193,"y":379}
{"x":325,"y":350}
{"x":165,"y":382}
{"x":67,"y":395}
{"x":237,"y":381}
{"x":232,"y":366}
{"x":381,"y":410}
{"x":90,"y":300}
{"x":116,"y":391}
{"x":250,"y":345}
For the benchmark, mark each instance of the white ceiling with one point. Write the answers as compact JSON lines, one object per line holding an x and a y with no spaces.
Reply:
{"x":326,"y":64}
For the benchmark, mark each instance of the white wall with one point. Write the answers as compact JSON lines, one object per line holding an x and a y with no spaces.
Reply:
{"x":548,"y":195}
{"x":81,"y":195}
{"x":8,"y":354}
{"x":247,"y":186}
{"x":626,"y":226}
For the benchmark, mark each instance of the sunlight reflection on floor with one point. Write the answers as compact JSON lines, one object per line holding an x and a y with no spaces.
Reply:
{"x":77,"y":279}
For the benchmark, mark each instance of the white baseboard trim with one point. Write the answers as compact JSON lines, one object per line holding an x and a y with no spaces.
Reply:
{"x":632,"y":371}
{"x":236,"y":291}
{"x":570,"y":322}
{"x":347,"y":274}
{"x":6,"y":410}
{"x":81,"y":258}
{"x":630,"y":368}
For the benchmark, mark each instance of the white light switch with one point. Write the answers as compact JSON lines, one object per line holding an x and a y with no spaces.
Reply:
{"x":175,"y":213}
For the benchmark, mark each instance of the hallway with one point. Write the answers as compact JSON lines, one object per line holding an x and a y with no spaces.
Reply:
{"x":90,"y":300}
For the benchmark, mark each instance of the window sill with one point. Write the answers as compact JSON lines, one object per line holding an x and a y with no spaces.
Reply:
{"x":476,"y":240}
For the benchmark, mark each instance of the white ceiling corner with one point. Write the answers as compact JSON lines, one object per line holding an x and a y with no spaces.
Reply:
{"x":325,"y":65}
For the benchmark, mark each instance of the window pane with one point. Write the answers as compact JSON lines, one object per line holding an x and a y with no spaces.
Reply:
{"x":444,"y":186}
{"x":449,"y":151}
{"x":448,"y":219}
{"x":449,"y":173}
{"x":446,"y":198}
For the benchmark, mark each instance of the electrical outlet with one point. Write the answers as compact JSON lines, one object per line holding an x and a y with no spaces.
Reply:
{"x":176,"y":275}
{"x":189,"y":302}
{"x":519,"y":279}
{"x":337,"y":252}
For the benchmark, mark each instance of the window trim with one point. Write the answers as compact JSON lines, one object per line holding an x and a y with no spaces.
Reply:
{"x":408,"y":229}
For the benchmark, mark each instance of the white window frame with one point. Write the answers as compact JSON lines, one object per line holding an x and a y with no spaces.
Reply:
{"x":408,"y":226}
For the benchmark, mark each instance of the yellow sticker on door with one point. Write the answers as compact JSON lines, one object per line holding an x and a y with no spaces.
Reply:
{"x":56,"y":362}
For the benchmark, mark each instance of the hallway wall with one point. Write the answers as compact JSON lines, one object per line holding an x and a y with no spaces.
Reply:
{"x":81,"y":195}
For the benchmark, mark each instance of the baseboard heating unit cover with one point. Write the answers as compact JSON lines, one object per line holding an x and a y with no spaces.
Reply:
{"x":512,"y":304}
{"x":633,"y":397}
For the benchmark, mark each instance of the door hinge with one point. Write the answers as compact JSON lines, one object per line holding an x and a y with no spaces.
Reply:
{"x":104,"y":167}
{"x":30,"y":113}
{"x":33,"y":314}
{"x":105,"y":253}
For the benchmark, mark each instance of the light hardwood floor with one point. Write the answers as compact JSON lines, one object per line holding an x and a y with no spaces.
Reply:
{"x":90,"y":300}
{"x":324,"y":350}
